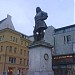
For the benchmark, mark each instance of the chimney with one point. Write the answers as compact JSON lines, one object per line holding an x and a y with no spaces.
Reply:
{"x":8,"y":16}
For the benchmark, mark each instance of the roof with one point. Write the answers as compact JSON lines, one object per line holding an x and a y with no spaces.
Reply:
{"x":2,"y":20}
{"x":6,"y":23}
{"x":63,"y":28}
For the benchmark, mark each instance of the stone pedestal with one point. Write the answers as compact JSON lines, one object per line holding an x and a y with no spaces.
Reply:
{"x":40,"y":59}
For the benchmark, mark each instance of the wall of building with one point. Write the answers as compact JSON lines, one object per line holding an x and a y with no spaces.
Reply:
{"x":64,"y":40}
{"x":48,"y":37}
{"x":14,"y":46}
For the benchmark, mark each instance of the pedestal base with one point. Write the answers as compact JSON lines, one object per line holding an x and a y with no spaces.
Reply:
{"x":40,"y":59}
{"x":40,"y":73}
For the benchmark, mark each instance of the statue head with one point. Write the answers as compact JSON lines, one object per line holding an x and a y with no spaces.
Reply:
{"x":38,"y":9}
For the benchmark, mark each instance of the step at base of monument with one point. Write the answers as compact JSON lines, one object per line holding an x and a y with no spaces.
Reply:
{"x":40,"y":73}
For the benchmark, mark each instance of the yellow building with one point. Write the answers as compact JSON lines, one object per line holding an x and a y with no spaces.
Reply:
{"x":13,"y":49}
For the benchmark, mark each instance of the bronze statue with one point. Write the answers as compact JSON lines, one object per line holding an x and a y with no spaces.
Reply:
{"x":40,"y":25}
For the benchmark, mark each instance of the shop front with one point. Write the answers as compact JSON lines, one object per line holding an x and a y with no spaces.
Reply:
{"x":64,"y":64}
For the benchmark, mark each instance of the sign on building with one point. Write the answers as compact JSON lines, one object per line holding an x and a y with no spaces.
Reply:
{"x":4,"y":73}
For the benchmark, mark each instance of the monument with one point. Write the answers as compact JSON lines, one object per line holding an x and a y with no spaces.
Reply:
{"x":40,"y":58}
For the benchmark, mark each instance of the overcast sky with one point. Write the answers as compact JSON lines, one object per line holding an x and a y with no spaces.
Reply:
{"x":60,"y":13}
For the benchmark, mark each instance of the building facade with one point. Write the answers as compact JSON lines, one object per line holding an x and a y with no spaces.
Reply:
{"x":64,"y":47}
{"x":14,"y":54}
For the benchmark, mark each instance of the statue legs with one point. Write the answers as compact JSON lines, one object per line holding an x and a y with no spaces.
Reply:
{"x":38,"y":35}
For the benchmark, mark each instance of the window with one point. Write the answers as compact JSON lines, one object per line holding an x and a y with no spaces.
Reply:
{"x":10,"y":38}
{"x":24,"y":61}
{"x":28,"y":43}
{"x":0,"y":38}
{"x":21,"y":42}
{"x":64,"y":39}
{"x":28,"y":53}
{"x":7,"y":47}
{"x":3,"y":37}
{"x":25,"y":43}
{"x":74,"y":47}
{"x":15,"y":50}
{"x":0,"y":58}
{"x":10,"y":50}
{"x":27,"y":62}
{"x":68,"y":38}
{"x":20,"y":61}
{"x":1,"y":49}
{"x":22,"y":36}
{"x":13,"y":39}
{"x":12,"y":60}
{"x":21,"y":51}
{"x":24,"y":52}
{"x":16,"y":40}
